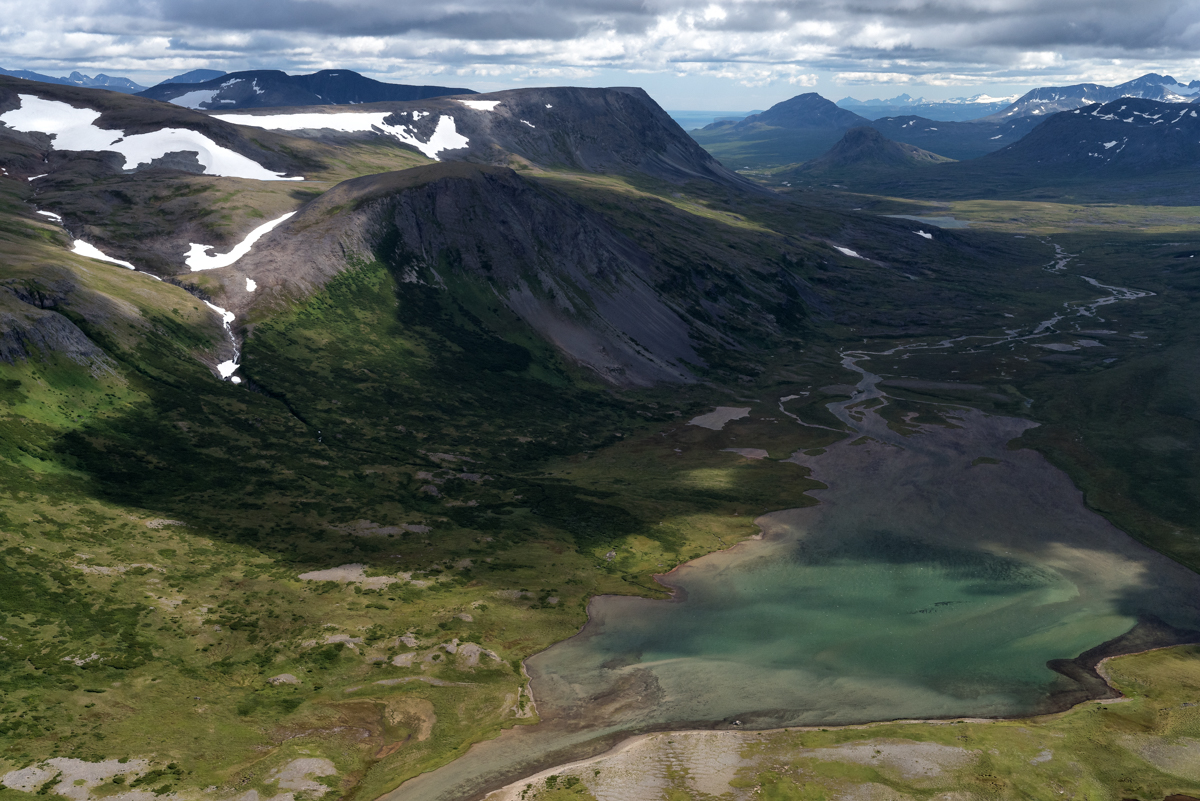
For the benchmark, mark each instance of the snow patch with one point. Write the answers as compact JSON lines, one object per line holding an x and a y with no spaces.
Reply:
{"x":194,"y":99}
{"x":445,"y":136}
{"x":251,"y":285}
{"x":51,"y":215}
{"x":847,"y":252}
{"x":198,"y":258}
{"x":92,"y":252}
{"x":924,"y":234}
{"x":530,"y":124}
{"x":1107,"y":145}
{"x":481,"y":105}
{"x":347,"y":121}
{"x":716,"y":419}
{"x":75,"y":129}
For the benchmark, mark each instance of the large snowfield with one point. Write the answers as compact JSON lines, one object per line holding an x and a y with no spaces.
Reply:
{"x":75,"y":129}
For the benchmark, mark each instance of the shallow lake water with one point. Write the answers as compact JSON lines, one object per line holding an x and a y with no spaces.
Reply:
{"x":938,"y":575}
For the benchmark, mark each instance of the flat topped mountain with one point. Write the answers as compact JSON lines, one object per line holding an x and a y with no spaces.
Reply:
{"x":615,"y":130}
{"x":808,"y":110}
{"x":269,"y":88}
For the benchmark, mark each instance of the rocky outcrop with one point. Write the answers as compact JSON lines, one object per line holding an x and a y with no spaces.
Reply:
{"x":29,"y":328}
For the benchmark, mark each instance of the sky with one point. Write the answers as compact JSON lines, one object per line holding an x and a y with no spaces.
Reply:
{"x":726,"y":55}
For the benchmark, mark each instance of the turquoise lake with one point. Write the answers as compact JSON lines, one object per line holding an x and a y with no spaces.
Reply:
{"x":936,"y":577}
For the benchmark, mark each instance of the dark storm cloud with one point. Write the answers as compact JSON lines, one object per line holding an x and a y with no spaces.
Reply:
{"x":1008,"y":23}
{"x":470,"y":20}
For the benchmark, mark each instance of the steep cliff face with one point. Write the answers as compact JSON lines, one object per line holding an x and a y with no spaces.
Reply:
{"x":484,"y":233}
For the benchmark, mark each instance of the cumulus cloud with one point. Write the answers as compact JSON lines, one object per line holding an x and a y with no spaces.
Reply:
{"x":753,"y":42}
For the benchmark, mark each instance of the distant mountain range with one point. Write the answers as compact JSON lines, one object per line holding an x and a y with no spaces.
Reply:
{"x":1133,"y":147}
{"x":955,"y":109}
{"x":1049,"y":99}
{"x":101,"y":81}
{"x":806,"y":126}
{"x":267,"y":88}
{"x":1038,"y":102}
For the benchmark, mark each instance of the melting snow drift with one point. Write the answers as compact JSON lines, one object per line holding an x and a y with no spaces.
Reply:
{"x":198,"y":258}
{"x":445,"y":135}
{"x":75,"y":129}
{"x":228,"y":367}
{"x":481,"y":105}
{"x":93,"y":252}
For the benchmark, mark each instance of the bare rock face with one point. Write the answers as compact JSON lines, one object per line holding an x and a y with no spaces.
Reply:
{"x":563,"y":270}
{"x":29,"y":328}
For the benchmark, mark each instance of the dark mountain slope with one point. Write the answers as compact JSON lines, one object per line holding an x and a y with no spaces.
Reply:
{"x":484,"y":233}
{"x":798,"y":129}
{"x":268,"y":88}
{"x":1124,"y":138}
{"x":862,"y":154}
{"x":956,"y":140}
{"x":1127,"y":149}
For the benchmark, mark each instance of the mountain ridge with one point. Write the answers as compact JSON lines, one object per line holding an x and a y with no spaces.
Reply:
{"x":271,"y":88}
{"x":1047,"y":100}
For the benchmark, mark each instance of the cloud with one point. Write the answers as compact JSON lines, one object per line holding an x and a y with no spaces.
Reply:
{"x":752,"y":42}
